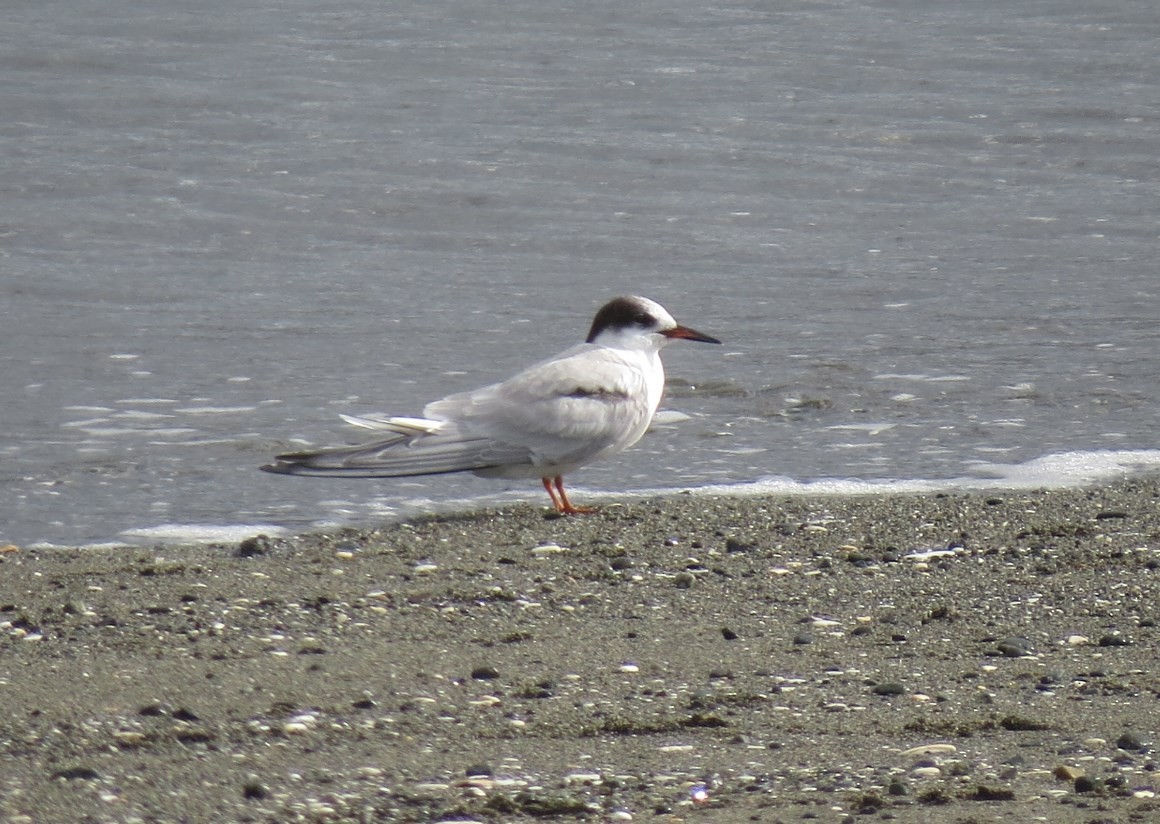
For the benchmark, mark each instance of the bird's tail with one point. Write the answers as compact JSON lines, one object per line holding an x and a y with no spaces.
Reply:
{"x":416,"y":446}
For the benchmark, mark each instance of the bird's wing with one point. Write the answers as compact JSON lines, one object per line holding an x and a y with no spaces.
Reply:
{"x":441,"y":449}
{"x":577,"y":405}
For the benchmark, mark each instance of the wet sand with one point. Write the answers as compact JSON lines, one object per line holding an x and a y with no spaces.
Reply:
{"x":676,"y":659}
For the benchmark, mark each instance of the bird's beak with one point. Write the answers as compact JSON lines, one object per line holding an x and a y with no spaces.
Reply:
{"x":688,"y":334}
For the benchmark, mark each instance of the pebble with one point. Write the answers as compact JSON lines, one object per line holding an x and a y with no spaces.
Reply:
{"x":929,"y":749}
{"x":629,"y":667}
{"x":1114,"y":640}
{"x":1065,"y":772}
{"x":1015,"y":647}
{"x":1131,"y":742}
{"x":543,"y":550}
{"x":1083,"y":784}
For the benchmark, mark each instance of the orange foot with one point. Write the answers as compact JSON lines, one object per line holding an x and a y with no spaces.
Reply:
{"x":560,"y":498}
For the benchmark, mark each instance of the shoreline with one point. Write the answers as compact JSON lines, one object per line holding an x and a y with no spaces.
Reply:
{"x":788,"y":652}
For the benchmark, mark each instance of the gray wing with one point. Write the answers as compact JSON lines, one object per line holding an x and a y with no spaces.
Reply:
{"x":415,"y":447}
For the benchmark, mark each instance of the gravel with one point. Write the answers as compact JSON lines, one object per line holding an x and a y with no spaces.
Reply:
{"x":944,"y":658}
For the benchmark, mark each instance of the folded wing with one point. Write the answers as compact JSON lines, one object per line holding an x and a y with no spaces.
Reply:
{"x":414,"y":447}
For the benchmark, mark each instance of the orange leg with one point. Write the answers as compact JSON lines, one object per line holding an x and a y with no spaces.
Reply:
{"x":560,"y":497}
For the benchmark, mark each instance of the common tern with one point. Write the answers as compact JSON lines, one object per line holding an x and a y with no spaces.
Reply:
{"x":588,"y":402}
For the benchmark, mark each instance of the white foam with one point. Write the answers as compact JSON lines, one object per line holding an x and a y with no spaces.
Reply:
{"x":200,"y":533}
{"x":1064,"y":470}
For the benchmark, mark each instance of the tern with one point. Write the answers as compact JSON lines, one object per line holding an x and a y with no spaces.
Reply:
{"x":586,"y":403}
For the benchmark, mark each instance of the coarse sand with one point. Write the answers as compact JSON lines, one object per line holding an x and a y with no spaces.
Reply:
{"x":974,"y":657}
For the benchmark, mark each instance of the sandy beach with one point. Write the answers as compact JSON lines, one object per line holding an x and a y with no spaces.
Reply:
{"x":947,"y":658}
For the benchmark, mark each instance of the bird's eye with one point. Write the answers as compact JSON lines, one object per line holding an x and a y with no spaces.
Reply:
{"x":643,"y":319}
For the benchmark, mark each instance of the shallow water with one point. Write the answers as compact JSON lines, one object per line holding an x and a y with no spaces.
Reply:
{"x":927,"y":237}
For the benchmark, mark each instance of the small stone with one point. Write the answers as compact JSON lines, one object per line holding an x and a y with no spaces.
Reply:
{"x":735,"y":546}
{"x":77,"y":774}
{"x":1114,"y":640}
{"x":1066,"y":772}
{"x":802,"y":639}
{"x":890,"y":688}
{"x":252,"y":547}
{"x":1083,"y":784}
{"x":544,"y":550}
{"x":929,"y":749}
{"x":1131,"y":742}
{"x":254,"y":791}
{"x":728,"y":634}
{"x":484,"y":673}
{"x":1015,"y":647}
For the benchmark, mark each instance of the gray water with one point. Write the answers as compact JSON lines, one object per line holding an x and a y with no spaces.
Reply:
{"x":926,"y":232}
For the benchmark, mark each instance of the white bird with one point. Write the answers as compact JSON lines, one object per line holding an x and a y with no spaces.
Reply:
{"x":588,"y":402}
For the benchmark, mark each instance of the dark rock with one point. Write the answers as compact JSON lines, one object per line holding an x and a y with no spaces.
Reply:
{"x":1014,"y":647}
{"x":1114,"y":639}
{"x":254,"y":791}
{"x":1131,"y":742}
{"x":1084,"y":784}
{"x":251,"y":547}
{"x":77,"y":774}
